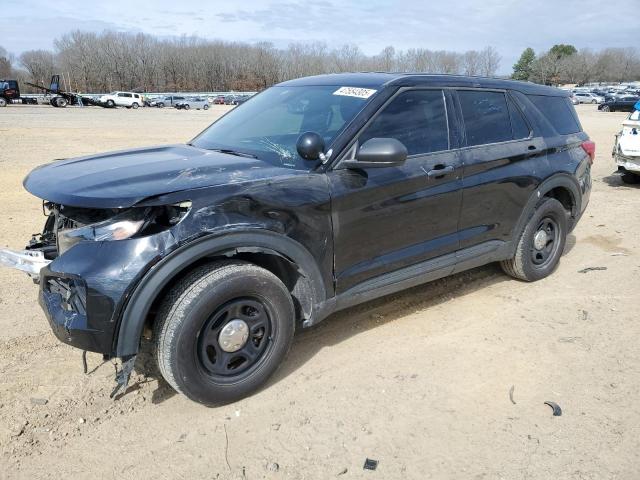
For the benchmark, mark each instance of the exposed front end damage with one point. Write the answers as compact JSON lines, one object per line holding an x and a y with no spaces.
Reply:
{"x":81,"y":293}
{"x":626,"y":149}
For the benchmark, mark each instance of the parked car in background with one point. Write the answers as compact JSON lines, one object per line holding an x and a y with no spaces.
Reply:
{"x":122,"y":99}
{"x":587,"y":97}
{"x":9,"y":90}
{"x":218,"y":100}
{"x":170,"y":101}
{"x":626,"y":149}
{"x":574,"y":99}
{"x":619,"y":104}
{"x":263,"y":223}
{"x":193,"y":102}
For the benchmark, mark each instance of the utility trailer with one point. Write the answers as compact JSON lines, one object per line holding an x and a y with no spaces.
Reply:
{"x":62,"y":98}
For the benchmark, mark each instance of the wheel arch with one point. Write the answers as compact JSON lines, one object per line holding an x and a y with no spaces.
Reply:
{"x":281,"y":255}
{"x":564,"y":188}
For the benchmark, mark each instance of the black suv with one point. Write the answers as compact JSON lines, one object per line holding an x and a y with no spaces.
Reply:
{"x":315,"y":195}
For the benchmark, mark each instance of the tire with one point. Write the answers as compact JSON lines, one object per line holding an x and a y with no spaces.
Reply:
{"x":111,"y":103}
{"x":61,"y":102}
{"x":197,"y":311}
{"x":594,"y":101}
{"x":606,"y":108}
{"x":3,"y":102}
{"x":160,"y":105}
{"x":205,"y":107}
{"x":134,"y":105}
{"x":630,"y":178}
{"x":531,"y":263}
{"x":187,"y":107}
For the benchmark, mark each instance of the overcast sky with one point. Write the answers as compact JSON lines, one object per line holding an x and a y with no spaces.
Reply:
{"x":508,"y":25}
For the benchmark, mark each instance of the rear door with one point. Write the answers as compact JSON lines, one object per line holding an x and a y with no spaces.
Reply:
{"x":385,"y":219}
{"x":499,"y":165}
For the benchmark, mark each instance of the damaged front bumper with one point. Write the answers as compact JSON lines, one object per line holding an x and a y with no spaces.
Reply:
{"x":28,"y":261}
{"x":631,"y":164}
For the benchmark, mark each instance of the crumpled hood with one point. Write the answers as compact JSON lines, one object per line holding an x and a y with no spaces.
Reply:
{"x":122,"y":179}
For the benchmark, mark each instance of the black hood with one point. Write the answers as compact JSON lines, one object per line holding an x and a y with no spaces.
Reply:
{"x":122,"y":179}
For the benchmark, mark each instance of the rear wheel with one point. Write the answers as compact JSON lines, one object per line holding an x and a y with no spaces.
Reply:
{"x":223,"y":331}
{"x":206,"y":107}
{"x":3,"y":102}
{"x":541,"y":243}
{"x":630,"y":177}
{"x":187,"y":107}
{"x":606,"y":108}
{"x":61,"y":102}
{"x":134,"y":105}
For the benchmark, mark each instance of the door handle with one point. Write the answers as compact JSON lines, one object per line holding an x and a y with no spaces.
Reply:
{"x":531,"y":147}
{"x":440,"y":171}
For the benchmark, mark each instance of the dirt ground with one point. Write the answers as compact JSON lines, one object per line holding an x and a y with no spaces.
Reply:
{"x":419,"y":381}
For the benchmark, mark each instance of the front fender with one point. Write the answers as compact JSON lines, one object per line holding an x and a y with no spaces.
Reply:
{"x":139,"y":304}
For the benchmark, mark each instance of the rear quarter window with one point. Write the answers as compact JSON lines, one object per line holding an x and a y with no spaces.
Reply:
{"x":558,"y":111}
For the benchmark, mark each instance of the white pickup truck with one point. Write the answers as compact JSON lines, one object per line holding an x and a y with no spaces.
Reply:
{"x":626,"y":149}
{"x":122,"y":99}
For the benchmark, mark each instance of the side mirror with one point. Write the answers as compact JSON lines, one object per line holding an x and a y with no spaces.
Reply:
{"x":310,"y":146}
{"x":379,"y":152}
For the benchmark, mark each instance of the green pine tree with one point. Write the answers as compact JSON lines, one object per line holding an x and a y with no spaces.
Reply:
{"x":523,"y":68}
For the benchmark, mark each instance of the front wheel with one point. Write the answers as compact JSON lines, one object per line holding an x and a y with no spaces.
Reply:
{"x":605,"y":108}
{"x":134,"y":105}
{"x":186,"y":107}
{"x":205,"y":107}
{"x":223,"y":330}
{"x":111,"y":103}
{"x":3,"y":102}
{"x":541,"y":243}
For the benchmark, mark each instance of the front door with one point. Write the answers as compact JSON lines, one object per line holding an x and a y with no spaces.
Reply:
{"x":385,"y":219}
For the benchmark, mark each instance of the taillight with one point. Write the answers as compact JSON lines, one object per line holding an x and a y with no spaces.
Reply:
{"x":590,"y":147}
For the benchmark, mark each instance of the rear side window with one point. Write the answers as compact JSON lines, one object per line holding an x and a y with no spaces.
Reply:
{"x":558,"y":111}
{"x":486,"y":117}
{"x":417,"y":118}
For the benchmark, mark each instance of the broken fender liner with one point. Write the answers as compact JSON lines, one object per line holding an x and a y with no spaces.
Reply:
{"x":122,"y":377}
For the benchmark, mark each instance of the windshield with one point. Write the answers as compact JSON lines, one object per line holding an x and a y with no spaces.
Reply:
{"x":268,"y":125}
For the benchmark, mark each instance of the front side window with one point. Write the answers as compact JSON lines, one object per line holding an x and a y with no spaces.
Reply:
{"x":486,"y":117}
{"x":268,"y":125}
{"x":416,"y":118}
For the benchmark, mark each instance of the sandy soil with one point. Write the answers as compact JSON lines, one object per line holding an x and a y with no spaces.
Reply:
{"x":419,"y":381}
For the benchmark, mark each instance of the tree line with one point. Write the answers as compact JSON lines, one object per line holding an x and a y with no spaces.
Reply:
{"x":566,"y":64}
{"x":107,"y":61}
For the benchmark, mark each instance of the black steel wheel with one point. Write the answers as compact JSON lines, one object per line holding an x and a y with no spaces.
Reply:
{"x":223,"y":330}
{"x":544,"y":242}
{"x":234,"y":339}
{"x":541,"y":243}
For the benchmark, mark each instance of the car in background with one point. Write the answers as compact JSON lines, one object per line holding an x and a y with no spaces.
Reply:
{"x":626,"y":149}
{"x":619,"y":104}
{"x":122,"y":99}
{"x":9,"y":90}
{"x":218,"y":100}
{"x":587,"y":97}
{"x":193,"y":102}
{"x":574,"y":99}
{"x":170,"y":101}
